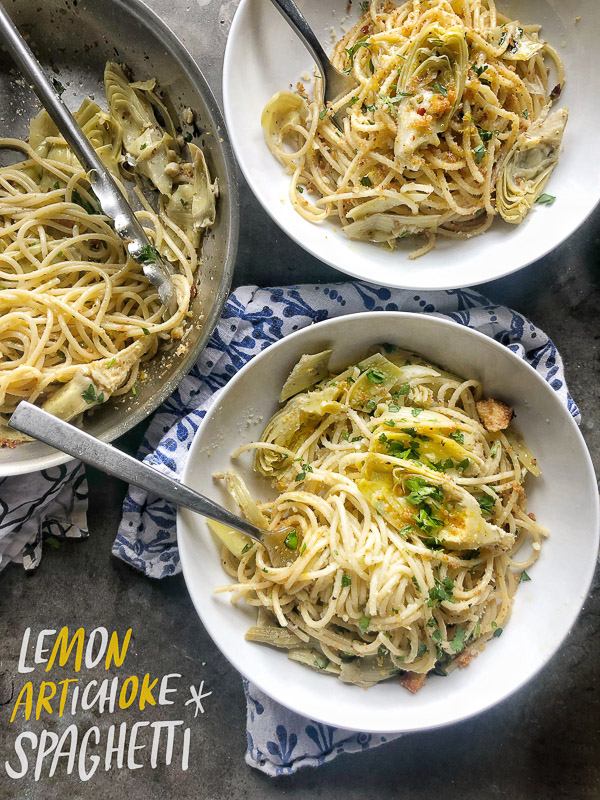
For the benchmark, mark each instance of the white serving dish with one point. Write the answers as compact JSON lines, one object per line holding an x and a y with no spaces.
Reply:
{"x":264,"y":56}
{"x":564,"y":500}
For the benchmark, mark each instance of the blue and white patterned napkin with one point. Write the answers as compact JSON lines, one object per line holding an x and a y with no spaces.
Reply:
{"x":279,"y":741}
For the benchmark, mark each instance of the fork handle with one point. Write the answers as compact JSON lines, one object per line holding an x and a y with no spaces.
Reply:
{"x":65,"y":437}
{"x":292,"y":15}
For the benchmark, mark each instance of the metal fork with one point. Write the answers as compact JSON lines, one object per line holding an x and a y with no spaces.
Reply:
{"x":67,"y":438}
{"x":110,"y":197}
{"x":336,"y":84}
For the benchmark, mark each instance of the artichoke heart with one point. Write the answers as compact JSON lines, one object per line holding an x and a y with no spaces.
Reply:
{"x":528,"y":166}
{"x":514,"y":43}
{"x":143,"y":138}
{"x":192,"y":204}
{"x":453,"y":516}
{"x":431,"y":83}
{"x":291,"y":426}
{"x":103,"y":132}
{"x":283,"y":111}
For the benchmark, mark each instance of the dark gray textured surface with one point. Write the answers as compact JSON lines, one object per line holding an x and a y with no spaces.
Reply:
{"x":542,"y":743}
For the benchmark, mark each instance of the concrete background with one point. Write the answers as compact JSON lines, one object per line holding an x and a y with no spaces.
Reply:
{"x":542,"y":743}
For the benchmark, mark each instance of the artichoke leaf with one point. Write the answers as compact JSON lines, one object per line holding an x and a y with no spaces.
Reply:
{"x":192,"y":205}
{"x":307,"y":372}
{"x":432,"y":78}
{"x":378,"y":376}
{"x":244,"y":500}
{"x":313,"y":659}
{"x":274,"y":635}
{"x":528,"y":166}
{"x":514,"y":44}
{"x":143,"y":138}
{"x":368,"y":670}
{"x":234,"y":541}
{"x":523,"y":453}
{"x":382,"y":227}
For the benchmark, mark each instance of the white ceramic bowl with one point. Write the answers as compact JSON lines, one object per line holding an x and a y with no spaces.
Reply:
{"x":544,"y":609}
{"x":264,"y":56}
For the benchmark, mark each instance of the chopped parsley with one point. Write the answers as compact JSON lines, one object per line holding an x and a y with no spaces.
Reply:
{"x":148,"y":255}
{"x":525,"y":114}
{"x":441,"y":591}
{"x":143,"y":146}
{"x":422,"y":650}
{"x":497,"y":633}
{"x":366,"y":181}
{"x":300,"y":477}
{"x":438,"y":88}
{"x":110,"y":363}
{"x":363,"y":623}
{"x":437,"y":637}
{"x":427,"y":521}
{"x":494,"y":449}
{"x":321,"y":662}
{"x":486,"y":135}
{"x":89,"y":395}
{"x":416,"y":583}
{"x":323,"y":113}
{"x":303,"y":549}
{"x":346,"y":580}
{"x":145,"y":331}
{"x":375,"y":376}
{"x":480,"y":70}
{"x":58,"y":87}
{"x":246,"y":548}
{"x":524,"y":577}
{"x":291,"y":540}
{"x":486,"y":503}
{"x":546,"y":199}
{"x":352,"y":51}
{"x":353,"y":100}
{"x":420,"y":491}
{"x":416,"y":411}
{"x":458,"y":643}
{"x":404,"y":389}
{"x":479,"y":153}
{"x":300,"y":188}
{"x":371,"y":405}
{"x":85,"y":204}
{"x":458,"y":436}
{"x":462,"y":465}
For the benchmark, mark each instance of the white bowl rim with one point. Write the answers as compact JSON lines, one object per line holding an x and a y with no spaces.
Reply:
{"x":262,"y":680}
{"x":306,"y":243}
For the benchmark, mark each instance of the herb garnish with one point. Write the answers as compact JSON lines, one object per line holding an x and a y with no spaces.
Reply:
{"x":546,"y":199}
{"x":441,"y":591}
{"x":479,"y":153}
{"x":346,"y":580}
{"x":148,"y":255}
{"x":291,"y":540}
{"x":363,"y":623}
{"x":351,"y":51}
{"x":366,"y":181}
{"x":375,"y":376}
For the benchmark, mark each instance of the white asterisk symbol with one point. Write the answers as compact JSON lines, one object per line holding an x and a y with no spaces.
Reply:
{"x":197,"y":697}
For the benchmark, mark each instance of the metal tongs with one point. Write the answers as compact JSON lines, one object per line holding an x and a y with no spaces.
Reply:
{"x":112,"y":201}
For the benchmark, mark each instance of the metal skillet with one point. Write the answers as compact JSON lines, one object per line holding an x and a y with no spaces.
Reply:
{"x":73,"y":40}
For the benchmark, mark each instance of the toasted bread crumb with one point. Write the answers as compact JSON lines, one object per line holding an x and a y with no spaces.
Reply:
{"x":494,"y":414}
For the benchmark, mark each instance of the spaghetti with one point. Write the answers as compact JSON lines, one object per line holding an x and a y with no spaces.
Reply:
{"x":448,"y":92}
{"x":77,"y":315}
{"x":404,"y":493}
